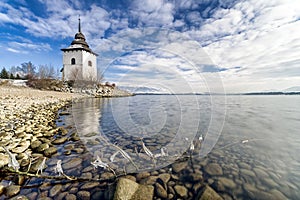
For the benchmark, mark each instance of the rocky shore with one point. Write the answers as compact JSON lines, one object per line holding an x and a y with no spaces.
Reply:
{"x":29,"y":136}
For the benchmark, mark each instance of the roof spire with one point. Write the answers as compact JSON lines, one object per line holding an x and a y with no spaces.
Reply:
{"x":79,"y":27}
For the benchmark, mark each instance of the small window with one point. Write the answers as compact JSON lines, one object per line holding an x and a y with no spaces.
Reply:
{"x":90,"y":63}
{"x":73,"y":62}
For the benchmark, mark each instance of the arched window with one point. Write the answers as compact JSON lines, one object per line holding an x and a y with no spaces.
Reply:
{"x":90,"y":63}
{"x":73,"y":62}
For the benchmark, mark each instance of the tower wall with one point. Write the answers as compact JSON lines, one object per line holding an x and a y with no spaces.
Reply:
{"x":72,"y":71}
{"x":89,"y":72}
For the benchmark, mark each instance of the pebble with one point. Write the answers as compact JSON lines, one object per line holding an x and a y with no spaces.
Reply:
{"x":160,"y":191}
{"x":74,"y":162}
{"x":165,"y":177}
{"x":70,"y":197}
{"x":60,"y":140}
{"x":50,"y":151}
{"x":3,"y":160}
{"x":227,"y":183}
{"x":84,"y":195}
{"x":12,"y":190}
{"x":107,"y":175}
{"x":177,"y":167}
{"x":213,"y":169}
{"x":43,"y":147}
{"x":55,"y":190}
{"x":142,"y":175}
{"x":181,"y":191}
{"x":89,"y":185}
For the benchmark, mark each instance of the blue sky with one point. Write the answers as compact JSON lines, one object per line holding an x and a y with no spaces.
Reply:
{"x":178,"y":46}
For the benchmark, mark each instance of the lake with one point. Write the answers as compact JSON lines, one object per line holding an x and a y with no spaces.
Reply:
{"x":246,"y":147}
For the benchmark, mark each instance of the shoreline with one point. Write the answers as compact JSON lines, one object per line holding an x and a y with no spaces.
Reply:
{"x":30,"y":130}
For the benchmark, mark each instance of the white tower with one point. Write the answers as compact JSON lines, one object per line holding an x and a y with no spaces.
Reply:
{"x":79,"y":61}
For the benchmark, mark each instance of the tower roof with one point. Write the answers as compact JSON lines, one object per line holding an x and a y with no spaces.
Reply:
{"x":79,"y":42}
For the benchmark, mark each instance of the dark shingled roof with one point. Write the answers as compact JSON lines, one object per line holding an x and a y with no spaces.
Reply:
{"x":79,"y":42}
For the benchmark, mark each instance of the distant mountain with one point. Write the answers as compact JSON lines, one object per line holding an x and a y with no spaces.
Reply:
{"x":143,"y":90}
{"x":292,"y":89}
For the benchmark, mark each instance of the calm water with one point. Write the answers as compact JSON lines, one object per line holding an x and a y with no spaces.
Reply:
{"x":255,"y":139}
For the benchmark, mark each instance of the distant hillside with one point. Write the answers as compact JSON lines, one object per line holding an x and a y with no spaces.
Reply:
{"x":292,"y":89}
{"x":143,"y":90}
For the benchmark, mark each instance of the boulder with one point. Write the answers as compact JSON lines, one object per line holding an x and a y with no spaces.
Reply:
{"x":208,"y":194}
{"x":129,"y":190}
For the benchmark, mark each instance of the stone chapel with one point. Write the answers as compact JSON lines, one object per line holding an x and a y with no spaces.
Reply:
{"x":79,"y":61}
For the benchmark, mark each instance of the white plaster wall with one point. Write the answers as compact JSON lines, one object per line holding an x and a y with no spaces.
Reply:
{"x":89,"y":72}
{"x":68,"y":67}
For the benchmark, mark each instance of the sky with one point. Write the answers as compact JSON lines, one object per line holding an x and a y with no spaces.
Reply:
{"x":176,"y":46}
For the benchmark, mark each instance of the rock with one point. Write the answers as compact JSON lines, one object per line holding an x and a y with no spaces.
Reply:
{"x":244,"y":165}
{"x":34,"y":167}
{"x":247,"y":172}
{"x":228,"y":183}
{"x":129,"y":190}
{"x":83,"y":195}
{"x":60,"y":140}
{"x":43,"y":147}
{"x":61,"y":196}
{"x":89,"y":185}
{"x":260,"y":173}
{"x":4,"y":159}
{"x":55,"y":190}
{"x":23,"y":146}
{"x":213,"y":169}
{"x":70,"y":197}
{"x":208,"y":194}
{"x":50,"y":151}
{"x":165,"y":177}
{"x":160,"y":191}
{"x":20,"y":197}
{"x":35,"y":144}
{"x":107,"y":175}
{"x":12,"y":190}
{"x":74,"y":162}
{"x":142,"y":175}
{"x":130,"y":177}
{"x":149,"y":181}
{"x":177,"y":167}
{"x":181,"y":191}
{"x":2,"y":188}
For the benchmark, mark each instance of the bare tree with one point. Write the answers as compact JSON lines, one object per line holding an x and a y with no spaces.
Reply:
{"x":46,"y":72}
{"x":75,"y":74}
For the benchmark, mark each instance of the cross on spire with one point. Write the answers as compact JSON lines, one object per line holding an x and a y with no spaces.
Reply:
{"x":79,"y":26}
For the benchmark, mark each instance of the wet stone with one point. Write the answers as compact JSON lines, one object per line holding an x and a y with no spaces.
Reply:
{"x":165,"y":177}
{"x":208,"y":194}
{"x":60,"y":140}
{"x":89,"y":185}
{"x":142,"y":175}
{"x":12,"y":190}
{"x":107,"y":175}
{"x":160,"y":191}
{"x":84,"y":195}
{"x":74,"y":162}
{"x":43,"y":147}
{"x":50,"y":151}
{"x":70,"y":197}
{"x":35,"y":144}
{"x":55,"y":190}
{"x":181,"y":191}
{"x":228,"y":183}
{"x":130,"y":177}
{"x":61,"y":196}
{"x":177,"y":167}
{"x":213,"y":169}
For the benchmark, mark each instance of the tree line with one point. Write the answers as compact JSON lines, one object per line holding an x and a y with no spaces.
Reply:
{"x":28,"y":70}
